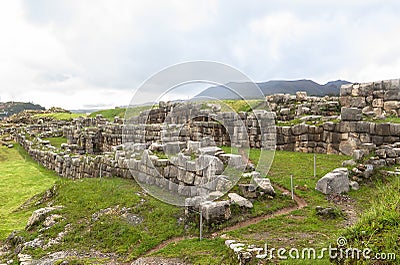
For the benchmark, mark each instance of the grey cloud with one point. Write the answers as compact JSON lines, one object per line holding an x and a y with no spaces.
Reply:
{"x":118,"y":45}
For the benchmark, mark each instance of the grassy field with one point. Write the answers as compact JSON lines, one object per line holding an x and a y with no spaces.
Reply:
{"x":56,"y":141}
{"x":300,"y":228}
{"x":20,"y":179}
{"x":379,"y":227}
{"x":60,"y":115}
{"x":110,"y":113}
{"x":238,"y":105}
{"x":112,"y":233}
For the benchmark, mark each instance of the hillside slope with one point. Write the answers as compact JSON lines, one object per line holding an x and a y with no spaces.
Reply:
{"x":10,"y":108}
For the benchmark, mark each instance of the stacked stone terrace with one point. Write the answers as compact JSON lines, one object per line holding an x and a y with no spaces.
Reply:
{"x":320,"y":128}
{"x":375,"y":99}
{"x":175,"y":146}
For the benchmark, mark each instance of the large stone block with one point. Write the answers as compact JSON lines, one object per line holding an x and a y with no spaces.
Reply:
{"x":382,"y":129}
{"x":377,"y":103}
{"x":301,"y":95}
{"x":248,"y":190}
{"x":209,"y":150}
{"x":345,"y":90}
{"x":39,"y":216}
{"x":329,"y":126}
{"x":347,"y":147}
{"x":377,"y":140}
{"x":299,"y":129}
{"x":357,"y":102}
{"x":233,"y":160}
{"x":239,"y":200}
{"x":351,"y":114}
{"x":362,"y":127}
{"x":333,"y":182}
{"x":215,"y":212}
{"x":391,"y":105}
{"x":394,"y":129}
{"x":392,"y":94}
{"x":265,"y":185}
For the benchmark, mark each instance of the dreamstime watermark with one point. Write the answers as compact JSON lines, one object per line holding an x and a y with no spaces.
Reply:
{"x":338,"y":252}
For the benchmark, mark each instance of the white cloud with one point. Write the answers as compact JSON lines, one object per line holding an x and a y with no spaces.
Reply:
{"x":75,"y":53}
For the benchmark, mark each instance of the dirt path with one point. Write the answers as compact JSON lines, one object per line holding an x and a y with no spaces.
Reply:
{"x":165,"y":243}
{"x":300,"y":203}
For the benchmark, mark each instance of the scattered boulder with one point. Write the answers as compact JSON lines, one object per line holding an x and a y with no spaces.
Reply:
{"x":265,"y":185}
{"x":132,"y":219}
{"x":36,"y":243}
{"x":248,"y":190}
{"x":209,"y":150}
{"x":358,"y":155}
{"x":328,"y":212}
{"x":40,"y":215}
{"x":51,"y":220}
{"x":336,"y":181}
{"x":253,"y":174}
{"x":215,"y":212}
{"x":350,"y":162}
{"x":14,"y":239}
{"x":24,"y":259}
{"x":368,"y":170}
{"x":354,"y":185}
{"x":239,"y":200}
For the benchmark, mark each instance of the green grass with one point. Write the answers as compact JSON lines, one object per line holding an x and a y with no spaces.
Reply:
{"x":289,"y":123}
{"x":111,"y":233}
{"x":236,"y":105}
{"x":110,"y":113}
{"x":207,"y":251}
{"x":379,"y":227}
{"x":20,"y":179}
{"x":84,"y":197}
{"x":56,"y":141}
{"x":300,"y":228}
{"x":390,"y":119}
{"x":120,"y":112}
{"x":59,"y":115}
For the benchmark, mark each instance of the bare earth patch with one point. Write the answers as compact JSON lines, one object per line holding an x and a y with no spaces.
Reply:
{"x":347,"y":205}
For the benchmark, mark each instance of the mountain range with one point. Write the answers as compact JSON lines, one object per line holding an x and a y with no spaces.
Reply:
{"x":12,"y":107}
{"x":247,"y":90}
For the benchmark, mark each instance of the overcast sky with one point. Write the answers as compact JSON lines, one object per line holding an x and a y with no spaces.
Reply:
{"x":90,"y":54}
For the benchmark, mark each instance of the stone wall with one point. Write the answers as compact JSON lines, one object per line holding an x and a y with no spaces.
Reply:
{"x":253,"y":129}
{"x":181,"y":174}
{"x":180,"y":123}
{"x":288,"y":107}
{"x":375,"y":99}
{"x":341,"y":138}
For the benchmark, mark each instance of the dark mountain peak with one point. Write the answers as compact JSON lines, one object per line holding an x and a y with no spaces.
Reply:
{"x":338,"y":83}
{"x":246,"y":90}
{"x":12,"y":107}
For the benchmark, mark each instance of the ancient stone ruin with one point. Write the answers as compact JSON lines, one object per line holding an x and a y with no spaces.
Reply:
{"x":176,"y":146}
